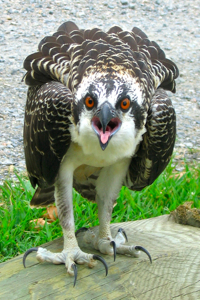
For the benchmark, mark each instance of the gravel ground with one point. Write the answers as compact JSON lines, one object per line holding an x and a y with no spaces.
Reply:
{"x":174,"y":25}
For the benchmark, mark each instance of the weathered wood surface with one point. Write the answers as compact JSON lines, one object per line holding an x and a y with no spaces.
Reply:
{"x":174,"y":274}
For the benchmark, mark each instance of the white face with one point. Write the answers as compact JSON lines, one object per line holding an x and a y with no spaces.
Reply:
{"x":122,"y":100}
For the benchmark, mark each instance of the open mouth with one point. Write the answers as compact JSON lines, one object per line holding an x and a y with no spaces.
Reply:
{"x":112,"y":127}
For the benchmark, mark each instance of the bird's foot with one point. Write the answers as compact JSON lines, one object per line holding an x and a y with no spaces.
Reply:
{"x":69,"y":257}
{"x":111,"y":246}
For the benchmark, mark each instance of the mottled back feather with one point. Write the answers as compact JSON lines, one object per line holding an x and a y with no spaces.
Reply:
{"x":74,"y":44}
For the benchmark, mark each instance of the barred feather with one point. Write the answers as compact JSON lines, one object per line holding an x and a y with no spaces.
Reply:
{"x":155,"y":151}
{"x":46,"y":141}
{"x":62,"y":53}
{"x":54,"y":74}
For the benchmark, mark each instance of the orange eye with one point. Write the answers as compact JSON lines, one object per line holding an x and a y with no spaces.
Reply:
{"x":125,"y":104}
{"x":89,"y":102}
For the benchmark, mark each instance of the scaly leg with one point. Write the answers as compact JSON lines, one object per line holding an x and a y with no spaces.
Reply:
{"x":71,"y":253}
{"x":108,"y":187}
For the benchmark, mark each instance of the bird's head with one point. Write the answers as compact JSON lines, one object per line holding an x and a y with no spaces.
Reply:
{"x":109,"y":113}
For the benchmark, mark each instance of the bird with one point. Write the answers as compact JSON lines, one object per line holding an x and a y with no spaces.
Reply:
{"x":98,"y":117}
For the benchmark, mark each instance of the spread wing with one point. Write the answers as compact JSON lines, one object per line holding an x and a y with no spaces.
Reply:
{"x":155,"y":150}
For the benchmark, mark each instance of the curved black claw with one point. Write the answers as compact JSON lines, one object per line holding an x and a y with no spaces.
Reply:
{"x":82,"y":229}
{"x":140,"y":248}
{"x":98,"y":257}
{"x":74,"y":267}
{"x":27,"y":253}
{"x":124,"y":233}
{"x":114,"y":248}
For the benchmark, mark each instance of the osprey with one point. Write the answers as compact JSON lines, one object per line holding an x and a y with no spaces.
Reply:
{"x":97,"y":118}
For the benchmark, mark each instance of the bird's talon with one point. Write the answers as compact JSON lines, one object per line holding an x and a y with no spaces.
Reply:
{"x":98,"y":257}
{"x":113,"y":244}
{"x":27,"y":253}
{"x":124,"y":233}
{"x":74,"y":267}
{"x":82,"y":229}
{"x":140,"y":248}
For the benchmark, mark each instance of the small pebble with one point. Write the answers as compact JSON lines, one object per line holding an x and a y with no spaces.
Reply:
{"x":124,"y":2}
{"x":132,"y":6}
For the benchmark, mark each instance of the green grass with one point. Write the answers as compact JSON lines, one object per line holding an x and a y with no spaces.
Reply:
{"x":17,"y":233}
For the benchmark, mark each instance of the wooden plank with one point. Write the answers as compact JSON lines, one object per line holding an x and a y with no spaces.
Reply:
{"x":174,"y":274}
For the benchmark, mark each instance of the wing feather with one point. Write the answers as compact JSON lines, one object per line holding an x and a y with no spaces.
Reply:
{"x":61,"y":54}
{"x":46,"y":131}
{"x":154,"y":152}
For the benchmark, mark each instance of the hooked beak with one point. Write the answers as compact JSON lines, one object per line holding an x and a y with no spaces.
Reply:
{"x":105,"y":124}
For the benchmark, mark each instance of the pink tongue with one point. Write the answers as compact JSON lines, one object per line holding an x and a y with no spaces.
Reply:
{"x":104,"y":136}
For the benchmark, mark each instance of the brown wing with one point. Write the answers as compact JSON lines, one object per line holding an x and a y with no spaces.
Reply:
{"x":155,"y":150}
{"x":46,"y":131}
